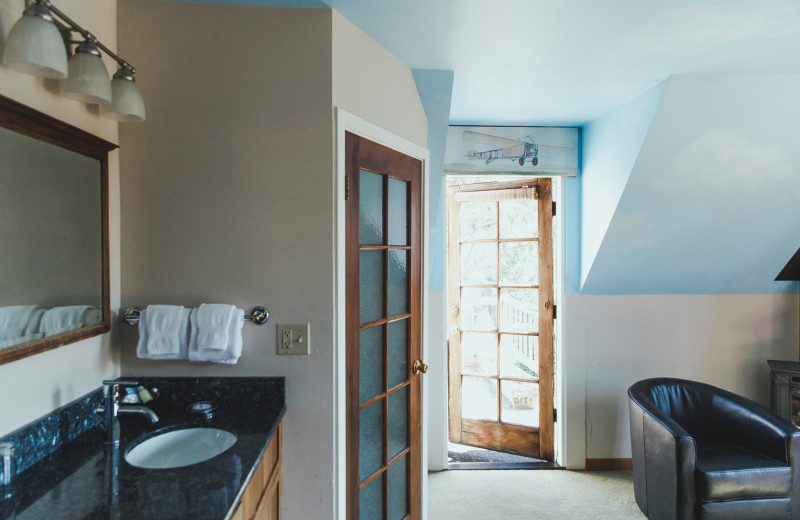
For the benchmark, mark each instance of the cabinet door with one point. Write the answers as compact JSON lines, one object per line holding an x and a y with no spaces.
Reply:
{"x":261,"y":499}
{"x":238,"y":514}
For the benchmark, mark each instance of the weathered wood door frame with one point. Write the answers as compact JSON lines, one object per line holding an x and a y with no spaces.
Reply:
{"x":347,"y":122}
{"x":490,"y":434}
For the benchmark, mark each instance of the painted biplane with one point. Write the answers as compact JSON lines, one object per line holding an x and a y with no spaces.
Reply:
{"x":519,"y":150}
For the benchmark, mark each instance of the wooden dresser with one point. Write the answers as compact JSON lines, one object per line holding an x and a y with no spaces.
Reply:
{"x":262,"y":497}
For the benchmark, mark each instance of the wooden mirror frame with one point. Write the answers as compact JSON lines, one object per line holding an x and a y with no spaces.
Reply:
{"x":27,"y":121}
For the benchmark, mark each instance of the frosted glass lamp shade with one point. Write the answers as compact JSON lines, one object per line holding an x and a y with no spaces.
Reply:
{"x":34,"y":46}
{"x":88,"y":80}
{"x":126,"y":103}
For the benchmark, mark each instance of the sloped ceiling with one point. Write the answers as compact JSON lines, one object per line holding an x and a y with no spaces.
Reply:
{"x":712,"y":203}
{"x":569,"y":62}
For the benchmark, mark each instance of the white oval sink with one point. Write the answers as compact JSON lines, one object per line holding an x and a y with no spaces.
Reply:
{"x":180,"y":448}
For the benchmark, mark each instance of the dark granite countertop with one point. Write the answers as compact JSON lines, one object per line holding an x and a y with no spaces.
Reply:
{"x":77,"y":481}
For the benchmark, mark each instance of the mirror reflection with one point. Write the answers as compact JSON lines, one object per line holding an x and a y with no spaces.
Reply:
{"x":51,"y":230}
{"x":53,"y":272}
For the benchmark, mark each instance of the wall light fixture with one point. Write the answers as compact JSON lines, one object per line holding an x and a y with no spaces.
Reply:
{"x":41,"y":44}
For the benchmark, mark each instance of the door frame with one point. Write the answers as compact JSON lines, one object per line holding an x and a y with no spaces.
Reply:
{"x":347,"y":122}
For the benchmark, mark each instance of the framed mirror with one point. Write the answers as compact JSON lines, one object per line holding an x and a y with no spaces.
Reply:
{"x":54,"y":278}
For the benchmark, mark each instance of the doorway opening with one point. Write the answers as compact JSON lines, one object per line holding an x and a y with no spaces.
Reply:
{"x":501,"y":311}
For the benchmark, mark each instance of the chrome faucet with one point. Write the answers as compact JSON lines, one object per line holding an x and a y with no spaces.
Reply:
{"x":111,"y":409}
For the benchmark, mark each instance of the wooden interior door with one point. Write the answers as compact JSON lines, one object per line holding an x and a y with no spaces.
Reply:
{"x":383,"y":331}
{"x":500,"y":296}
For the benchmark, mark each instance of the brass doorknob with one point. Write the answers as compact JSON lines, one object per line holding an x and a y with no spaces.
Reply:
{"x":419,"y":366}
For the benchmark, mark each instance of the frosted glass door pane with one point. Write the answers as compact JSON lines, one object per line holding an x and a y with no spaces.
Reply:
{"x":519,"y":263}
{"x":519,"y":356}
{"x":371,"y":285}
{"x":518,"y":219}
{"x":398,"y":212}
{"x":398,"y":489}
{"x":479,"y":309}
{"x":398,"y":282}
{"x":398,"y":422}
{"x":479,"y":398}
{"x":370,"y":502}
{"x":479,"y":354}
{"x":478,"y":220}
{"x":479,"y":264}
{"x":519,"y":310}
{"x":370,"y":208}
{"x":398,"y":352}
{"x":520,"y":403}
{"x":370,"y":440}
{"x":371,"y":354}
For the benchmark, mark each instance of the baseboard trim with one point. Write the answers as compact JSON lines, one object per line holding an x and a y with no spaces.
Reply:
{"x":609,"y":464}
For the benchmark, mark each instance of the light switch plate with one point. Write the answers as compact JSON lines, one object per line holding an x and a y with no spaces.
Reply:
{"x":293,"y":338}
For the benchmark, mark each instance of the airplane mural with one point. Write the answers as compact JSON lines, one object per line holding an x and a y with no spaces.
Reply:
{"x":482,"y":150}
{"x":518,"y":150}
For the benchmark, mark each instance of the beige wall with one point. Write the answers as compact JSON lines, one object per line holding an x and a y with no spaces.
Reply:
{"x":373,"y":84}
{"x":38,"y":384}
{"x":614,"y":341}
{"x":228,"y":197}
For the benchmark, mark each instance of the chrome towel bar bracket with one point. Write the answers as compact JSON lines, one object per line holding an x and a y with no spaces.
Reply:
{"x":258,"y":315}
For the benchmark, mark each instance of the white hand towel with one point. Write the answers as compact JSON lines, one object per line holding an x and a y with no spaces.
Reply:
{"x":165,"y":325}
{"x":62,"y":319}
{"x":34,"y":323}
{"x":93,"y":317}
{"x":183,"y":337}
{"x":14,"y":320}
{"x":231,"y":354}
{"x":213,"y":322}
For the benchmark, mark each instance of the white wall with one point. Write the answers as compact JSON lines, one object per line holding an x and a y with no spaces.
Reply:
{"x":38,"y":384}
{"x":724,"y":340}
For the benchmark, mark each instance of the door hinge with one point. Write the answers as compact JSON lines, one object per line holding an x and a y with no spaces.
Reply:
{"x":346,"y":187}
{"x":555,"y":312}
{"x":555,"y":415}
{"x":554,"y":209}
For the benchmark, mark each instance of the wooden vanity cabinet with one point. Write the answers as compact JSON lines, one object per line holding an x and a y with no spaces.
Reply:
{"x":262,"y":497}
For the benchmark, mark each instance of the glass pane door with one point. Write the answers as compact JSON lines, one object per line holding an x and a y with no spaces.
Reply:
{"x":383,"y":408}
{"x":496,"y":296}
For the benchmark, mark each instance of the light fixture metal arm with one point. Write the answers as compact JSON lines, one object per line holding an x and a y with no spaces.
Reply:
{"x":86,"y":34}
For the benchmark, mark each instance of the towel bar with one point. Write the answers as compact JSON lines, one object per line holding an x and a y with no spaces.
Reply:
{"x":259,"y":315}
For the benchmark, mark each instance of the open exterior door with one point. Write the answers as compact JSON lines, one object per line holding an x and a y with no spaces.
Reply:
{"x":501,"y":311}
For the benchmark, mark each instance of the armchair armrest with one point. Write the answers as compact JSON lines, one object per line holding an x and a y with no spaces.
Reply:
{"x":738,"y":420}
{"x":663,"y":467}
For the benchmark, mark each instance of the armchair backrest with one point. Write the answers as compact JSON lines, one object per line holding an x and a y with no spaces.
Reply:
{"x":688,"y":403}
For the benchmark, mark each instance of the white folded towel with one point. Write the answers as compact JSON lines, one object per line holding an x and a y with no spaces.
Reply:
{"x":93,"y":317}
{"x":34,"y":324}
{"x":163,"y":332}
{"x":141,"y":347}
{"x":62,"y":319}
{"x":14,"y":320}
{"x":230,"y":355}
{"x":213,"y":322}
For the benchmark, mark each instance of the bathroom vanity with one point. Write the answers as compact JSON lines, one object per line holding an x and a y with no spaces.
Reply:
{"x":85,"y":478}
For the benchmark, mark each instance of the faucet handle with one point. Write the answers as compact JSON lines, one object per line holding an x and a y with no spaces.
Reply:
{"x":121,"y":382}
{"x":111,"y":386}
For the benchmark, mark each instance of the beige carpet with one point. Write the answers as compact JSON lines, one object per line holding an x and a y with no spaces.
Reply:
{"x":529,"y":494}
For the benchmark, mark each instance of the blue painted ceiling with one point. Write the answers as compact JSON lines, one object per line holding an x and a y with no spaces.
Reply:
{"x":568,"y":62}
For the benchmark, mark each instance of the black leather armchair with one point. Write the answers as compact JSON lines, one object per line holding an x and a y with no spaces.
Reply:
{"x":703,"y":452}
